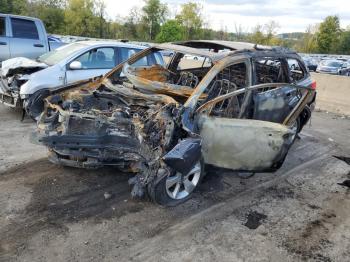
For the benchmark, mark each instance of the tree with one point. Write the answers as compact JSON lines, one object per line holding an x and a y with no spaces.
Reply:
{"x":154,"y":14}
{"x":80,"y":19}
{"x":170,"y":31}
{"x":343,"y":46}
{"x":100,"y":6}
{"x":257,"y":37}
{"x":131,"y":26}
{"x":13,"y":6}
{"x":308,"y":42}
{"x":328,"y":34}
{"x":266,"y":34}
{"x":191,"y":19}
{"x":271,"y":30}
{"x":51,"y":12}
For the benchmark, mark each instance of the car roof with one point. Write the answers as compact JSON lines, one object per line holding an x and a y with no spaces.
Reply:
{"x":220,"y":44}
{"x":198,"y":47}
{"x":108,"y":43}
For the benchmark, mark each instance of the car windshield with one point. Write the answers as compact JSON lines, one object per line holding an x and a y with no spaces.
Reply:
{"x":59,"y":54}
{"x":333,"y":63}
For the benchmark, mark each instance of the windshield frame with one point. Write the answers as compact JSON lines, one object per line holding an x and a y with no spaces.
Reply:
{"x":56,"y":56}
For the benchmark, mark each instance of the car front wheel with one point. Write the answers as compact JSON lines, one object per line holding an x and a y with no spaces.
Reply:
{"x":176,"y":187}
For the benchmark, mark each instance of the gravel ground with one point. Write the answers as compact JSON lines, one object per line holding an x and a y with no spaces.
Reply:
{"x":299,"y":213}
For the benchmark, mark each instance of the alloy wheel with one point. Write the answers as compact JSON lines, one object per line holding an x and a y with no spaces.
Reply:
{"x":179,"y":186}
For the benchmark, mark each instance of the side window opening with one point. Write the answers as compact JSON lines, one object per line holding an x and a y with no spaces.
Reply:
{"x":231,"y":78}
{"x":99,"y":58}
{"x":188,"y":70}
{"x":269,"y":70}
{"x":183,"y":70}
{"x":2,"y":26}
{"x":22,"y":28}
{"x":192,"y":61}
{"x":296,"y":71}
{"x":149,"y":60}
{"x":271,"y":103}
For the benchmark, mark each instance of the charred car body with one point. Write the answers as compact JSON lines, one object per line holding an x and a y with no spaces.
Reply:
{"x":240,"y":109}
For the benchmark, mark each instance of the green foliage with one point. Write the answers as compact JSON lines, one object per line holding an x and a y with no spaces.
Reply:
{"x":328,"y":35}
{"x":80,"y":19}
{"x":191,"y":19}
{"x":149,"y":23}
{"x":343,"y":46}
{"x":154,"y":13}
{"x":265,"y":35}
{"x":50,"y":12}
{"x":13,"y":6}
{"x":171,"y":31}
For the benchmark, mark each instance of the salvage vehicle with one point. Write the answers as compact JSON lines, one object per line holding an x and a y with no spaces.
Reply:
{"x":23,"y":80}
{"x":310,"y":63}
{"x":239,"y":109}
{"x":330,"y":66}
{"x":345,"y":69}
{"x":22,"y":36}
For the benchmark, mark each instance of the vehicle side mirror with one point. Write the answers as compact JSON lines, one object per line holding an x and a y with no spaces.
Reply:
{"x":75,"y":65}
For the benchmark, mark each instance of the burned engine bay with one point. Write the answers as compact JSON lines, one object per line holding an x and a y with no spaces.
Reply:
{"x":135,"y":118}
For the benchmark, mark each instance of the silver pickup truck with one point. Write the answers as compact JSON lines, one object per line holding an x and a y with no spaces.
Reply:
{"x":22,"y":36}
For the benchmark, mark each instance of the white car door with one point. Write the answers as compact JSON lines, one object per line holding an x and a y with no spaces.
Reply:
{"x":95,"y":62}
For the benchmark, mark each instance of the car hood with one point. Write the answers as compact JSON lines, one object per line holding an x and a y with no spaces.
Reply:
{"x":20,"y":65}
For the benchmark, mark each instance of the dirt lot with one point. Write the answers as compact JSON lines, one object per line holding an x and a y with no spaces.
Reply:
{"x":333,"y":92}
{"x":51,"y":213}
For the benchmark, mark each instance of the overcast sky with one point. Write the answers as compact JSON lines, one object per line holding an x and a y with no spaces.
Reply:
{"x":291,"y":15}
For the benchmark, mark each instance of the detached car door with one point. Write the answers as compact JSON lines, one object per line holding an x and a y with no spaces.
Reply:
{"x":95,"y":62}
{"x":228,"y":140}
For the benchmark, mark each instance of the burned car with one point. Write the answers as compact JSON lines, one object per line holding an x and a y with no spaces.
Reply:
{"x":238,"y":107}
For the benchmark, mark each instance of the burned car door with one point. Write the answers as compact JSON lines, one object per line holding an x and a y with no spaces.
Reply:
{"x":242,"y":144}
{"x":230,"y":141}
{"x":275,"y":104}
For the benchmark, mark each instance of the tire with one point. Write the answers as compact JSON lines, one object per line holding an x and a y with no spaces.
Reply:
{"x":34,"y":106}
{"x":296,"y":126}
{"x":163,"y":192}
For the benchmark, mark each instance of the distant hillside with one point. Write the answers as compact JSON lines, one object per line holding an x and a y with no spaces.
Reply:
{"x":294,"y":35}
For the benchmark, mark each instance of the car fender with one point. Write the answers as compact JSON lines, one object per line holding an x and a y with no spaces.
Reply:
{"x":50,"y":77}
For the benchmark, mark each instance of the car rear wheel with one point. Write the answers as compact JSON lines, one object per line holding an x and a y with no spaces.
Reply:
{"x":176,"y":188}
{"x":295,"y":127}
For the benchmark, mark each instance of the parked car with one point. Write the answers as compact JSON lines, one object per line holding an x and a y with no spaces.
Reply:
{"x":22,"y":36}
{"x":310,"y":63}
{"x":345,"y":69}
{"x":329,"y":66}
{"x":23,"y":80}
{"x":237,"y":111}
